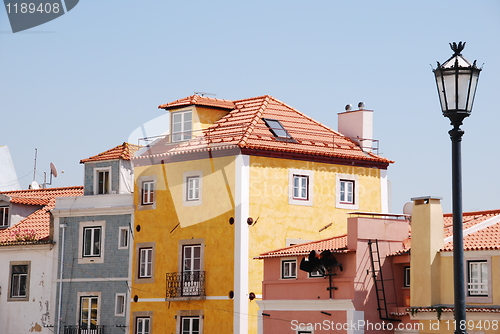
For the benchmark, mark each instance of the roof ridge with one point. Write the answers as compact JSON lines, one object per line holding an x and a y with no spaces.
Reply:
{"x":477,"y":227}
{"x":253,"y":121}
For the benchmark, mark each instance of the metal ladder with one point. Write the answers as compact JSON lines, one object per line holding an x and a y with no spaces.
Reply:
{"x":378,"y":281}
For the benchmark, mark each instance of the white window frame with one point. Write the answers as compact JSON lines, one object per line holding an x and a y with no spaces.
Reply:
{"x":142,"y":315}
{"x":91,"y":259}
{"x":191,"y":319}
{"x":355,"y":196}
{"x":138,"y":278}
{"x":98,"y":170}
{"x":120,"y":304}
{"x":146,"y":261}
{"x":187,"y":200}
{"x":185,"y":132}
{"x":347,"y":191}
{"x":143,"y":321}
{"x":12,"y":285}
{"x":91,"y":252}
{"x":181,"y":314}
{"x":123,"y":237}
{"x":4,"y":216}
{"x":148,"y":192}
{"x":483,"y":297}
{"x":291,"y":263}
{"x":301,"y":174}
{"x":141,"y":181}
{"x":88,"y":294}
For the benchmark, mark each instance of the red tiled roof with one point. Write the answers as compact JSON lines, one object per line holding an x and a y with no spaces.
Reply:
{"x":244,"y":128}
{"x":199,"y":101}
{"x":336,"y":244}
{"x":476,"y":236}
{"x":38,"y":221}
{"x":124,"y":151}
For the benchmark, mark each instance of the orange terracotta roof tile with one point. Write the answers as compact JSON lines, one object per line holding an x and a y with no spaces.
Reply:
{"x":481,"y":232}
{"x":124,"y":151}
{"x":199,"y":101}
{"x":244,"y":128}
{"x":39,"y":221}
{"x":336,"y":244}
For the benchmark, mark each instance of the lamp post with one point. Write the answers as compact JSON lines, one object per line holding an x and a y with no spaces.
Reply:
{"x":456,"y":81}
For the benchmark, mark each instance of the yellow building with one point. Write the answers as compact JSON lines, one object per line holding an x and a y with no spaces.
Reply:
{"x":430,"y":271}
{"x":232,"y":180}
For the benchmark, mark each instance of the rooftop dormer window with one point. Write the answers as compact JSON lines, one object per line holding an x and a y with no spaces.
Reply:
{"x":277,"y":129}
{"x":102,"y":179}
{"x":182,"y":125}
{"x":4,"y":216}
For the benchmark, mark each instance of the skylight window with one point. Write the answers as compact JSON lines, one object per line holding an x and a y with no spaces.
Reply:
{"x":277,"y":128}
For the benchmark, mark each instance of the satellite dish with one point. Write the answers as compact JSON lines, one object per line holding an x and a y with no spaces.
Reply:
{"x":53,"y":169}
{"x":408,"y":208}
{"x":34,"y":185}
{"x":361,"y":105}
{"x":348,"y":107}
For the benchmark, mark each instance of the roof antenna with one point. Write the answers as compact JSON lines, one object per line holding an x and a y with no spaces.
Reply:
{"x":204,"y":93}
{"x":34,"y":168}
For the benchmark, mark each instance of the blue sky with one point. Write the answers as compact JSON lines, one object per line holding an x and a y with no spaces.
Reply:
{"x":82,"y":83}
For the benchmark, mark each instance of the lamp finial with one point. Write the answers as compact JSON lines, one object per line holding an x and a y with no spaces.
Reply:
{"x":457,"y":48}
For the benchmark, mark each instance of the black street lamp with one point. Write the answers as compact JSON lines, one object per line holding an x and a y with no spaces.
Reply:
{"x":456,"y":81}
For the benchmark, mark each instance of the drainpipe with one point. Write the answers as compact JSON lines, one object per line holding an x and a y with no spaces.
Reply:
{"x":63,"y":227}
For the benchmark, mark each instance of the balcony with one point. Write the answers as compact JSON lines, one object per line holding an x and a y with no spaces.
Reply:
{"x":186,"y":285}
{"x":99,"y":329}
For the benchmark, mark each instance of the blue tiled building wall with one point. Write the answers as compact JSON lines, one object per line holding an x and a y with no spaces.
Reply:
{"x":88,"y":181}
{"x":115,"y":265}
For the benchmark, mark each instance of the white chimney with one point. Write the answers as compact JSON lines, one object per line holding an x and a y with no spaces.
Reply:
{"x":357,"y":125}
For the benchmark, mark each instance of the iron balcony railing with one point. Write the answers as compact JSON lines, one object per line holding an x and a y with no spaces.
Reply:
{"x":186,"y":284}
{"x":99,"y":329}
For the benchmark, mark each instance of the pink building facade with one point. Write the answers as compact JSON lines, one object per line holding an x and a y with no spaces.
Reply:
{"x":295,"y":301}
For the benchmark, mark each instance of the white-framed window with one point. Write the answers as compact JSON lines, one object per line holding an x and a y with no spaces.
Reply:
{"x":92,"y":241}
{"x":406,"y":277}
{"x":300,"y":184}
{"x":145,"y":254}
{"x":123,"y":237}
{"x":347,"y":192}
{"x":145,"y":262}
{"x":288,"y":268}
{"x":19,"y":281}
{"x":148,"y":192}
{"x":142,"y":325}
{"x":89,"y":312}
{"x":120,"y":302}
{"x":102,"y":181}
{"x":300,"y":187}
{"x":182,"y":125}
{"x":478,"y":278}
{"x":4,"y":216}
{"x":191,"y":269}
{"x":193,"y":188}
{"x":190,"y":325}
